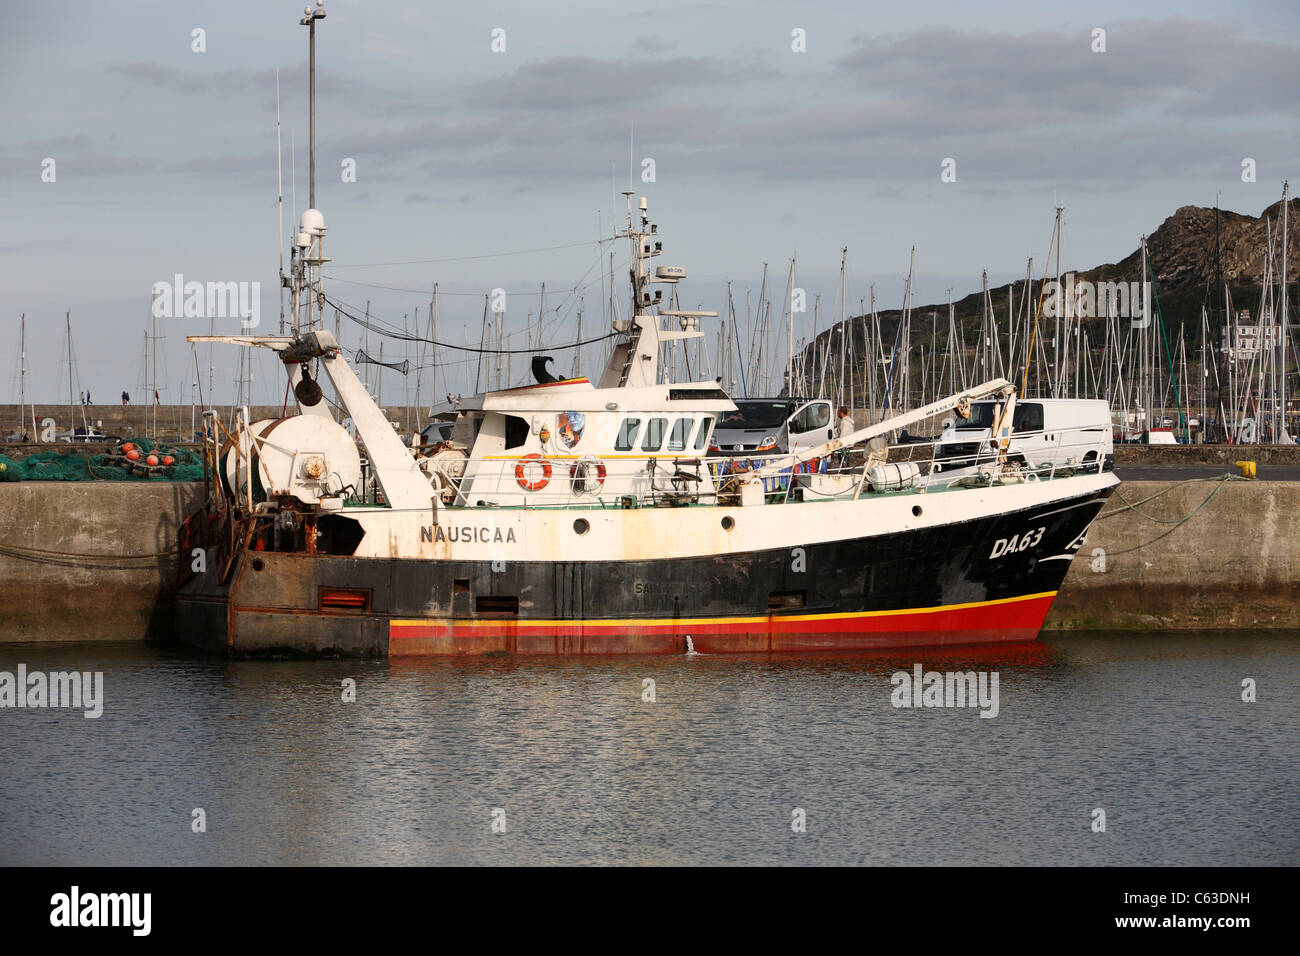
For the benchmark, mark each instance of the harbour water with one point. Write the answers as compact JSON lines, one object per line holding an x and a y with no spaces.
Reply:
{"x":583,"y":769}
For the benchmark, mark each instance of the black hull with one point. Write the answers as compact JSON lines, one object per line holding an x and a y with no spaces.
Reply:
{"x":946,"y":584}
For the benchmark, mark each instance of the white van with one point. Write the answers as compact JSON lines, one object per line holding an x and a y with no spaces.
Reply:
{"x":777,"y":425}
{"x":1044,"y":431}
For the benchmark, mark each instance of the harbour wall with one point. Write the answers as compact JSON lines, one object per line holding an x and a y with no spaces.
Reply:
{"x":1195,"y":554}
{"x":1206,"y":454}
{"x":173,"y":422}
{"x":90,"y":561}
{"x":94,"y":561}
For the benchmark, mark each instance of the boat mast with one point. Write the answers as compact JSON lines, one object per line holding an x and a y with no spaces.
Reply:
{"x":22,"y":376}
{"x":577,"y":352}
{"x":433,"y":338}
{"x":309,"y":21}
{"x":311,"y":234}
{"x":72,"y":415}
{"x":1285,"y":337}
{"x":844,"y":257}
{"x":877,"y":355}
{"x":789,"y":328}
{"x":1061,"y":301}
{"x":279,"y":189}
{"x":153,"y":373}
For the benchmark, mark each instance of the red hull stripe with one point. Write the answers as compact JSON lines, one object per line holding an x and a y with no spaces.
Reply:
{"x":566,"y":381}
{"x":1010,"y":619}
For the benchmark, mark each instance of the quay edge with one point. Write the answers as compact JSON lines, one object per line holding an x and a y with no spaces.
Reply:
{"x":1234,"y":566}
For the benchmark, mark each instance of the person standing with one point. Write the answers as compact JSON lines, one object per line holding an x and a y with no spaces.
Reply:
{"x":843,"y":428}
{"x":845,"y":424}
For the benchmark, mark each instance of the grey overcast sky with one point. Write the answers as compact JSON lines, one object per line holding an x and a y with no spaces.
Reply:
{"x":165,"y":158}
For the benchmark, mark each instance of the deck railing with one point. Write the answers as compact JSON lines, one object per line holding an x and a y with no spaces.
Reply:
{"x":534,"y":480}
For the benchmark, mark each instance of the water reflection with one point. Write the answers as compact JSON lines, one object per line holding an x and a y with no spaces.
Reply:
{"x":1149,"y":727}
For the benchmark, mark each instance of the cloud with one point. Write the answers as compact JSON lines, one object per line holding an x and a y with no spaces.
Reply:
{"x":1011,"y":108}
{"x":572,"y":82}
{"x":1177,"y":65}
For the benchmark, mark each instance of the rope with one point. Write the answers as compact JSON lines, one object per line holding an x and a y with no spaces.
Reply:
{"x":407,"y":337}
{"x":1174,"y":523}
{"x":66,"y":559}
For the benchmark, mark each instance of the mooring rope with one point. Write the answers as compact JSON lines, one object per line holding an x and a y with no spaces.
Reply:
{"x":1174,"y":523}
{"x":71,"y":559}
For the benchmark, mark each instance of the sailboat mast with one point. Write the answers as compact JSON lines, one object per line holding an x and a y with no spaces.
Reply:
{"x":153,"y":351}
{"x":844,"y":347}
{"x":22,"y":374}
{"x":1285,"y":337}
{"x":433,"y":337}
{"x":72,"y":415}
{"x":1056,"y":341}
{"x":789,"y":357}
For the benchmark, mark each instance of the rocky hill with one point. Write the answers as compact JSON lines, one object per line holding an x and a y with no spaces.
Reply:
{"x":1183,"y":253}
{"x":1183,"y":247}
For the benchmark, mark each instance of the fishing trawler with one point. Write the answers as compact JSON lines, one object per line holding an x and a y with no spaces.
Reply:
{"x":577,"y":517}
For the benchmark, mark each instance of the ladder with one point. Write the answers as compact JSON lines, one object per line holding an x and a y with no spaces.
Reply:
{"x":631,"y":346}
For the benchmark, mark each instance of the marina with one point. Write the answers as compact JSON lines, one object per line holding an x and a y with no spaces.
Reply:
{"x":644,"y":447}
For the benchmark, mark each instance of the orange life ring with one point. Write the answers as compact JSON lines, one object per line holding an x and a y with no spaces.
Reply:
{"x":582,"y":464}
{"x":524,"y":483}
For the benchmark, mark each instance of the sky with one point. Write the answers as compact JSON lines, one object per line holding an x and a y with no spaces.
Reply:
{"x":136,"y":149}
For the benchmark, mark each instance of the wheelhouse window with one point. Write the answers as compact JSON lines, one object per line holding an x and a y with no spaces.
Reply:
{"x":516,"y":431}
{"x":654,"y":434}
{"x":626,"y":439}
{"x":681,"y":434}
{"x":702,"y":436}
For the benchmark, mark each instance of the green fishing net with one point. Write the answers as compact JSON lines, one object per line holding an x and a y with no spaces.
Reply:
{"x":115,"y":466}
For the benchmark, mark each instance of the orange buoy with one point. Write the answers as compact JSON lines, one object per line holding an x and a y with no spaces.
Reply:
{"x":128,"y":446}
{"x":133,"y":454}
{"x":151,"y":460}
{"x":168,"y":460}
{"x":540,"y":483}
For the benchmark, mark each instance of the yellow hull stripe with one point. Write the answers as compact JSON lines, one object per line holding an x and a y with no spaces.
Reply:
{"x":686,"y":621}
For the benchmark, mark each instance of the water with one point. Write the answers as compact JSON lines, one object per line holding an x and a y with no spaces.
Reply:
{"x":1150,"y":728}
